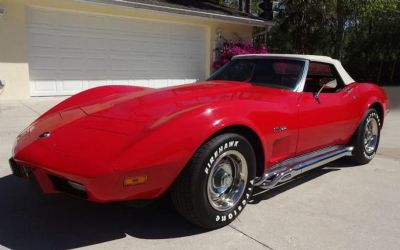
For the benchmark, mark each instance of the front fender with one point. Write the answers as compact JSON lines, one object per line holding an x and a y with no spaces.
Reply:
{"x":165,"y":148}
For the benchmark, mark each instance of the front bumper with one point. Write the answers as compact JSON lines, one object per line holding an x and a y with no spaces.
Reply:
{"x":19,"y":170}
{"x":97,"y":189}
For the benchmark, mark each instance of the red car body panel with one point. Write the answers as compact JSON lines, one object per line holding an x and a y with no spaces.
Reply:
{"x":103,"y":135}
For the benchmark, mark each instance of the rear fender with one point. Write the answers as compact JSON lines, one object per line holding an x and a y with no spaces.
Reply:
{"x":370,"y":95}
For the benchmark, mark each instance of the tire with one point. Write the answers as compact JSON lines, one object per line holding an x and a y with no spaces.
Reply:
{"x":214,"y":171}
{"x":363,"y":151}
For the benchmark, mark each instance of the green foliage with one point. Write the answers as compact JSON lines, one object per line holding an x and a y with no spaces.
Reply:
{"x":363,"y":34}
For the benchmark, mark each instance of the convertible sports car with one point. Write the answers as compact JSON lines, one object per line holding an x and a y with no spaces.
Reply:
{"x":259,"y":121}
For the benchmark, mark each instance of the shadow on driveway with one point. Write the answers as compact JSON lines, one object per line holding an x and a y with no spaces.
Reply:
{"x":30,"y":219}
{"x":260,"y":195}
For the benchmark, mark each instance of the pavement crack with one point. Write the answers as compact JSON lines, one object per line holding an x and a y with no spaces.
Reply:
{"x":250,"y":237}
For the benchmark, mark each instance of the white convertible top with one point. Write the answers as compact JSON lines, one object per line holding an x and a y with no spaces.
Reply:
{"x":347,"y":79}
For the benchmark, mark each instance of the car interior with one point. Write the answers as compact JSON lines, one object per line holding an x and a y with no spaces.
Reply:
{"x":320,"y":74}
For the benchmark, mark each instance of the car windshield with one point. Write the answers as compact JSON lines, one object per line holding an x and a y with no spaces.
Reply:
{"x":276,"y":73}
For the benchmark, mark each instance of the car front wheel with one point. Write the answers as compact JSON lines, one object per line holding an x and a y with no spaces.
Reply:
{"x":216,"y":184}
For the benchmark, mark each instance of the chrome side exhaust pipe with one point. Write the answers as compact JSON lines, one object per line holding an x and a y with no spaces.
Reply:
{"x":291,"y":168}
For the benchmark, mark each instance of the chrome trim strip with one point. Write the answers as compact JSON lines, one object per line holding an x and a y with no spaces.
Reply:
{"x":293,"y":167}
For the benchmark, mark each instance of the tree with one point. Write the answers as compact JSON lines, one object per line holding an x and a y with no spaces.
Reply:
{"x":364,"y":34}
{"x":303,"y":26}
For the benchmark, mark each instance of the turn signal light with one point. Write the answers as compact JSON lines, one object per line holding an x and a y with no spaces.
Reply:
{"x":135,"y":180}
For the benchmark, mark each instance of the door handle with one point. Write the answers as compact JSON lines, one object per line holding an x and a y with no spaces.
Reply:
{"x":348,"y":90}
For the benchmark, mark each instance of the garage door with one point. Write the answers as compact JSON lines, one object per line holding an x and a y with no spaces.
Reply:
{"x":70,"y":52}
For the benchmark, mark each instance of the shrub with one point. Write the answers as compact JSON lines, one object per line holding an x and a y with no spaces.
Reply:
{"x":231,"y":49}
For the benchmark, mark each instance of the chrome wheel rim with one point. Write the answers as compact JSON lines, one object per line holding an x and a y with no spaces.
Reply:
{"x":371,"y":136}
{"x":227,"y":180}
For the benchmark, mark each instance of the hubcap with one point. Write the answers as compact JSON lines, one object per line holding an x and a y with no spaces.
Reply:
{"x":371,"y":136}
{"x":227,"y":180}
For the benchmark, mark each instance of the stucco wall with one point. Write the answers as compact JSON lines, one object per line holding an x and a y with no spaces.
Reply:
{"x":14,"y":67}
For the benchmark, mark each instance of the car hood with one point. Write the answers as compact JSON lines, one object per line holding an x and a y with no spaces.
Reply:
{"x":149,"y":105}
{"x":100,"y":129}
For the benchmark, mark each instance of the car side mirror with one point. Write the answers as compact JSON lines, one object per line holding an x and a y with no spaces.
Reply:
{"x":330,"y":83}
{"x":326,"y":83}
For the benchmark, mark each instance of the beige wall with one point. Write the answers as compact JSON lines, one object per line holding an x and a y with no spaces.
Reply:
{"x":14,"y":67}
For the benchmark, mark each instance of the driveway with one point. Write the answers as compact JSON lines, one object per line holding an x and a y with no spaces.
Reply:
{"x":340,"y":206}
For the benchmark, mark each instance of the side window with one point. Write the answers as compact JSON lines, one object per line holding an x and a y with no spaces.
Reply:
{"x":320,"y":74}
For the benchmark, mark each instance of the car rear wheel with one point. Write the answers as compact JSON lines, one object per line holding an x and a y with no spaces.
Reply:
{"x":216,"y":184}
{"x":366,"y":138}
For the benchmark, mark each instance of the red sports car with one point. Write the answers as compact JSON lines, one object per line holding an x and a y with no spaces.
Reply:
{"x":259,"y":121}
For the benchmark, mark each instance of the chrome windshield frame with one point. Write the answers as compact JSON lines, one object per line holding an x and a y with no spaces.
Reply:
{"x":302,"y":82}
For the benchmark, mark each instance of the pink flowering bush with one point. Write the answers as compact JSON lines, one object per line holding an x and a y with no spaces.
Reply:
{"x":231,"y":49}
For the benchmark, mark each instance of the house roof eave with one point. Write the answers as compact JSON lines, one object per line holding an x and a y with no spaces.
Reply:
{"x":183,"y":12}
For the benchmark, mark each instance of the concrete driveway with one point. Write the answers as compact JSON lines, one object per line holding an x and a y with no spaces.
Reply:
{"x":340,"y":206}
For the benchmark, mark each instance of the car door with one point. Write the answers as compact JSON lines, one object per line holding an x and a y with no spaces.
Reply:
{"x":329,"y":119}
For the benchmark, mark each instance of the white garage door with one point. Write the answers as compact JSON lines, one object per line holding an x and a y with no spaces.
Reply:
{"x":70,"y":52}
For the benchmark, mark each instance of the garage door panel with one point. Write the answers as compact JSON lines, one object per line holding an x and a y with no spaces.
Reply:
{"x":96,"y":43}
{"x":122,"y":44}
{"x":121,"y":26}
{"x":96,"y":23}
{"x":43,"y":51}
{"x":71,"y":74}
{"x":96,"y":74}
{"x":159,"y":31}
{"x":70,"y":52}
{"x":71,"y":63}
{"x":70,"y":21}
{"x":140,"y":49}
{"x":44,"y":62}
{"x":42,"y":74}
{"x":43,"y":40}
{"x":96,"y":64}
{"x":70,"y":41}
{"x":118,"y":64}
{"x":175,"y":49}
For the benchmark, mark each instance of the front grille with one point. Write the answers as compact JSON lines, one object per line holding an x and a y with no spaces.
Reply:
{"x":69,"y":187}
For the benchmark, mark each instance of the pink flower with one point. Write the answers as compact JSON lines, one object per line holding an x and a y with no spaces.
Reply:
{"x":232,"y":49}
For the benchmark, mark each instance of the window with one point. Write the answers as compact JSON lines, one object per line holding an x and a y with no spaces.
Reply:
{"x":320,"y":74}
{"x":240,"y":71}
{"x":275,"y":73}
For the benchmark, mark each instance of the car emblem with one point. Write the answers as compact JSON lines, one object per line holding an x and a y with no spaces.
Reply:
{"x":44,"y":135}
{"x":280,"y":129}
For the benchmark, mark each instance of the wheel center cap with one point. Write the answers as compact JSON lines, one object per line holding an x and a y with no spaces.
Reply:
{"x":226,"y":180}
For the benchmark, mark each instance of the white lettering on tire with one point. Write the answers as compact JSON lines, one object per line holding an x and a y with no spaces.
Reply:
{"x":235,"y":212}
{"x":220,"y":149}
